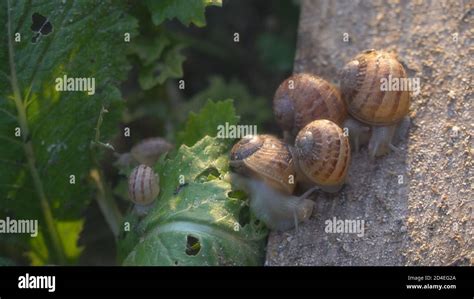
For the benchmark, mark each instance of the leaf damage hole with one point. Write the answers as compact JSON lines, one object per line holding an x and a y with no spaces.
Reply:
{"x":179,"y":188}
{"x":208,"y":174}
{"x":244,"y":216}
{"x":41,"y":26}
{"x":193,"y":246}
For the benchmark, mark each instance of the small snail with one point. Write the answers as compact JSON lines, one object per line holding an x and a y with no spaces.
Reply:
{"x":264,"y":169}
{"x":143,"y":185}
{"x":303,"y":98}
{"x":383,"y":110}
{"x":149,"y":150}
{"x":323,"y":155}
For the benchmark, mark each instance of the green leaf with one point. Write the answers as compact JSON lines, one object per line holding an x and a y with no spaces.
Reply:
{"x":150,"y":49}
{"x":207,"y":121}
{"x":86,"y":41}
{"x":129,"y":236}
{"x":170,"y":66}
{"x":253,"y":109}
{"x":69,"y":231}
{"x":197,"y":223}
{"x":186,"y":11}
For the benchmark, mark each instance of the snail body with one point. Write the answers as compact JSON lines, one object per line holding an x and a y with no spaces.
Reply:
{"x":146,"y":152}
{"x":263,"y":167}
{"x":143,"y":185}
{"x":279,"y":211}
{"x":303,"y":98}
{"x":361,"y":90}
{"x":322,"y":153}
{"x":149,"y":150}
{"x":359,"y":133}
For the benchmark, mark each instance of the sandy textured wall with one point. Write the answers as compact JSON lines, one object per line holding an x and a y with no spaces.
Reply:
{"x":426,"y":219}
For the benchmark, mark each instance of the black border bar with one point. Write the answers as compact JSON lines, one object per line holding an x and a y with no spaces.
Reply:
{"x":292,"y":282}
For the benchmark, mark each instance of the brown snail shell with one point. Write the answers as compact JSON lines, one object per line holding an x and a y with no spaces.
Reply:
{"x":361,"y":88}
{"x":149,"y":150}
{"x":267,"y":158}
{"x":303,"y":98}
{"x":143,"y":185}
{"x":323,"y":155}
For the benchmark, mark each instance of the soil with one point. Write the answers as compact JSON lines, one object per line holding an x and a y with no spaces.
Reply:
{"x":418,"y":203}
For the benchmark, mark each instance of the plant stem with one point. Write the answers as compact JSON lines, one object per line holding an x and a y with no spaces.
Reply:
{"x":104,"y":197}
{"x":107,"y":205}
{"x":29,"y":152}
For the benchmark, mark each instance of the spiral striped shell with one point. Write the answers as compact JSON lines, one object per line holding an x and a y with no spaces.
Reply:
{"x":149,"y":150}
{"x":361,"y":88}
{"x":143,"y":185}
{"x":303,"y":98}
{"x":267,"y":158}
{"x":322,"y":154}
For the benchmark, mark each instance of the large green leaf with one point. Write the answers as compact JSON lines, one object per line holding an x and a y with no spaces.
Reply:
{"x":195,"y":221}
{"x":87,"y":40}
{"x":186,"y":11}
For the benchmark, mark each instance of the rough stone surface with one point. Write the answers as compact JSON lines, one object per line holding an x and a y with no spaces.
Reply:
{"x":417,"y":204}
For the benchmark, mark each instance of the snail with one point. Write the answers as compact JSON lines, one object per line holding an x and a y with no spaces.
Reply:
{"x":147,"y":152}
{"x":368,"y":103}
{"x":312,"y":109}
{"x":263,"y":167}
{"x":303,"y":98}
{"x":143,"y":187}
{"x":322,"y":153}
{"x":267,"y":158}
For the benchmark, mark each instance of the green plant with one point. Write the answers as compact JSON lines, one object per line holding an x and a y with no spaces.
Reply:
{"x":53,"y":141}
{"x":197,"y":218}
{"x":252,"y":109}
{"x":45,"y":164}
